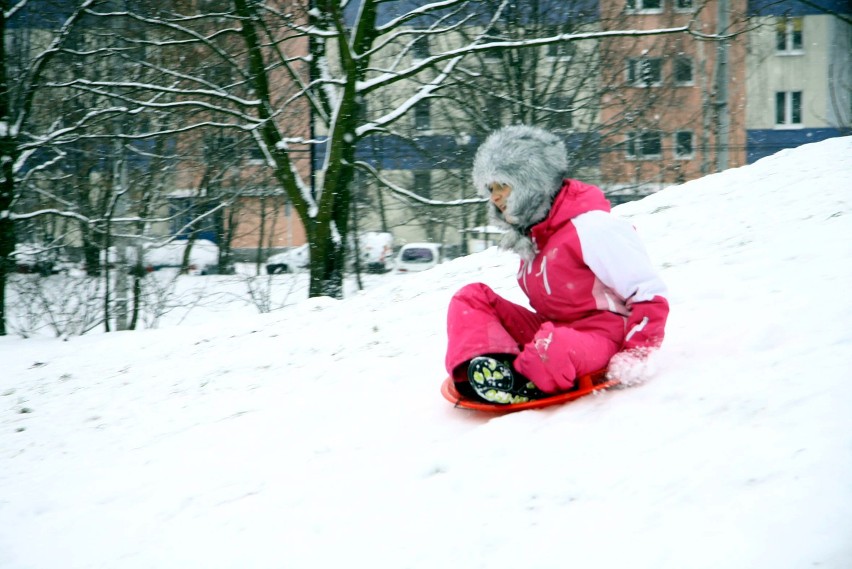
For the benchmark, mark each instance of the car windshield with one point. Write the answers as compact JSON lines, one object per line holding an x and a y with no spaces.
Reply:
{"x":417,"y":256}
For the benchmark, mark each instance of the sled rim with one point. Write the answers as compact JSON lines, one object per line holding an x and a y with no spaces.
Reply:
{"x":587,"y":384}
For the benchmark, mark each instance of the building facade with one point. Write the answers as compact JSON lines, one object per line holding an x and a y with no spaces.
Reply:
{"x":799,"y":75}
{"x":662,"y":109}
{"x":676,"y":109}
{"x":638,"y":113}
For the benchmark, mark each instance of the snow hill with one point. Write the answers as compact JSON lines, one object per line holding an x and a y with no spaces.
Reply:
{"x":315,"y":437}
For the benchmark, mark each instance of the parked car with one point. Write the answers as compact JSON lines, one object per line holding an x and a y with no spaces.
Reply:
{"x":414,"y":257}
{"x":33,"y":258}
{"x":289,"y":261}
{"x":203,"y":257}
{"x":376,"y":251}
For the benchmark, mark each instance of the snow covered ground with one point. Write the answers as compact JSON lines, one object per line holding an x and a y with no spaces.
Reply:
{"x":315,"y":436}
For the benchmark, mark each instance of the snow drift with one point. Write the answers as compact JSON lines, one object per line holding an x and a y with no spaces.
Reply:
{"x":316,"y":436}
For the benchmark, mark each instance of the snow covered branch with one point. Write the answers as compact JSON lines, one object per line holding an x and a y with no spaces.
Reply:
{"x":391,"y":77}
{"x":411,"y":195}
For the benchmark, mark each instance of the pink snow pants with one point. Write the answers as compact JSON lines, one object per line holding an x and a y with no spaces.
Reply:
{"x":550,"y":354}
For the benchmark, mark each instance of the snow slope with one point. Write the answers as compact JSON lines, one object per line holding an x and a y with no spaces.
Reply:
{"x":316,"y":437}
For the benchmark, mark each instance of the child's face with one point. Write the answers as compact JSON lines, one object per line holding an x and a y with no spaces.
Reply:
{"x":500,"y":195}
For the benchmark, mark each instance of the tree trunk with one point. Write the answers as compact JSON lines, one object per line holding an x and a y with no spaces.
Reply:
{"x":259,"y":252}
{"x":121,"y":291}
{"x":7,"y":235}
{"x":7,"y":178}
{"x":356,"y":246}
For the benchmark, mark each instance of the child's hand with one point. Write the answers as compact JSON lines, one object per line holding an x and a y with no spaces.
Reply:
{"x":631,"y":367}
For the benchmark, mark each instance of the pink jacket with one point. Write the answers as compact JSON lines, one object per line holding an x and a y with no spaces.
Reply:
{"x":592,"y":271}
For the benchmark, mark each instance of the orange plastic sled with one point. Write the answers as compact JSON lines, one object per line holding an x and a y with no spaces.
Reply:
{"x":586,"y":384}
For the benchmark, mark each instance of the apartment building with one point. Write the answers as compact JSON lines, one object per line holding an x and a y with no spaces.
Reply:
{"x":637,"y":113}
{"x":676,"y":110}
{"x":799,"y":74}
{"x":430,"y":150}
{"x":665,"y":108}
{"x":225,"y":165}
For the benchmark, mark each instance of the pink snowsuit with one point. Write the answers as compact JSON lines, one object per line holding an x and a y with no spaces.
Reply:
{"x":593,"y":289}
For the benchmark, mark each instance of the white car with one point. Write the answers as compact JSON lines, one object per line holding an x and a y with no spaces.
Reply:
{"x":203,"y":257}
{"x":35,"y":258}
{"x":376,"y":250}
{"x":415,"y":257}
{"x":289,"y":261}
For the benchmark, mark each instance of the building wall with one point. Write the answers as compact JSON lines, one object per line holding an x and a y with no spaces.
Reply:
{"x":266,"y":223}
{"x":240,"y":174}
{"x":446,"y":147}
{"x":839,"y":103}
{"x":807,"y":70}
{"x":670,"y":106}
{"x":821,"y":71}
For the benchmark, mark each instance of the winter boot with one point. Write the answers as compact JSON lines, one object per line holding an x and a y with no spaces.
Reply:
{"x":496,"y":382}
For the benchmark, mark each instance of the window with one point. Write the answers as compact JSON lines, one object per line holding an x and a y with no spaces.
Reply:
{"x":645,"y":71}
{"x":683,"y":5}
{"x":648,"y":144}
{"x":422,"y":115}
{"x":788,"y":35}
{"x":362,"y":110}
{"x":562,"y":50}
{"x":493,"y":56}
{"x":255,"y":153}
{"x":683,"y":144}
{"x":221,"y":75}
{"x":219,"y":148}
{"x":788,"y":108}
{"x":683,"y":70}
{"x":417,"y":255}
{"x":423,"y":183}
{"x":420,"y":48}
{"x":644,"y":5}
{"x":562,"y":117}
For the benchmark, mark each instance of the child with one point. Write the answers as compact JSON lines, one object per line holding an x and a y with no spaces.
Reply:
{"x":592,"y":287}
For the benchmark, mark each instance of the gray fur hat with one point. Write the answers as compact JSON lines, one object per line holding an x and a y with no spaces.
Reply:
{"x":533,"y":162}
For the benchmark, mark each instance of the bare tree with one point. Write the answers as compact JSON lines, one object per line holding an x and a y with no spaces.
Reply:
{"x":636,"y":112}
{"x":23,"y":132}
{"x":266,"y":45}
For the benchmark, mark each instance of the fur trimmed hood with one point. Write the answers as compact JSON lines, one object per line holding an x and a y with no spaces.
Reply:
{"x":533,"y":162}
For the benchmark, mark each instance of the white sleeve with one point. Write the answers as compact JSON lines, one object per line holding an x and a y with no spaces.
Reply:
{"x":615,"y":253}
